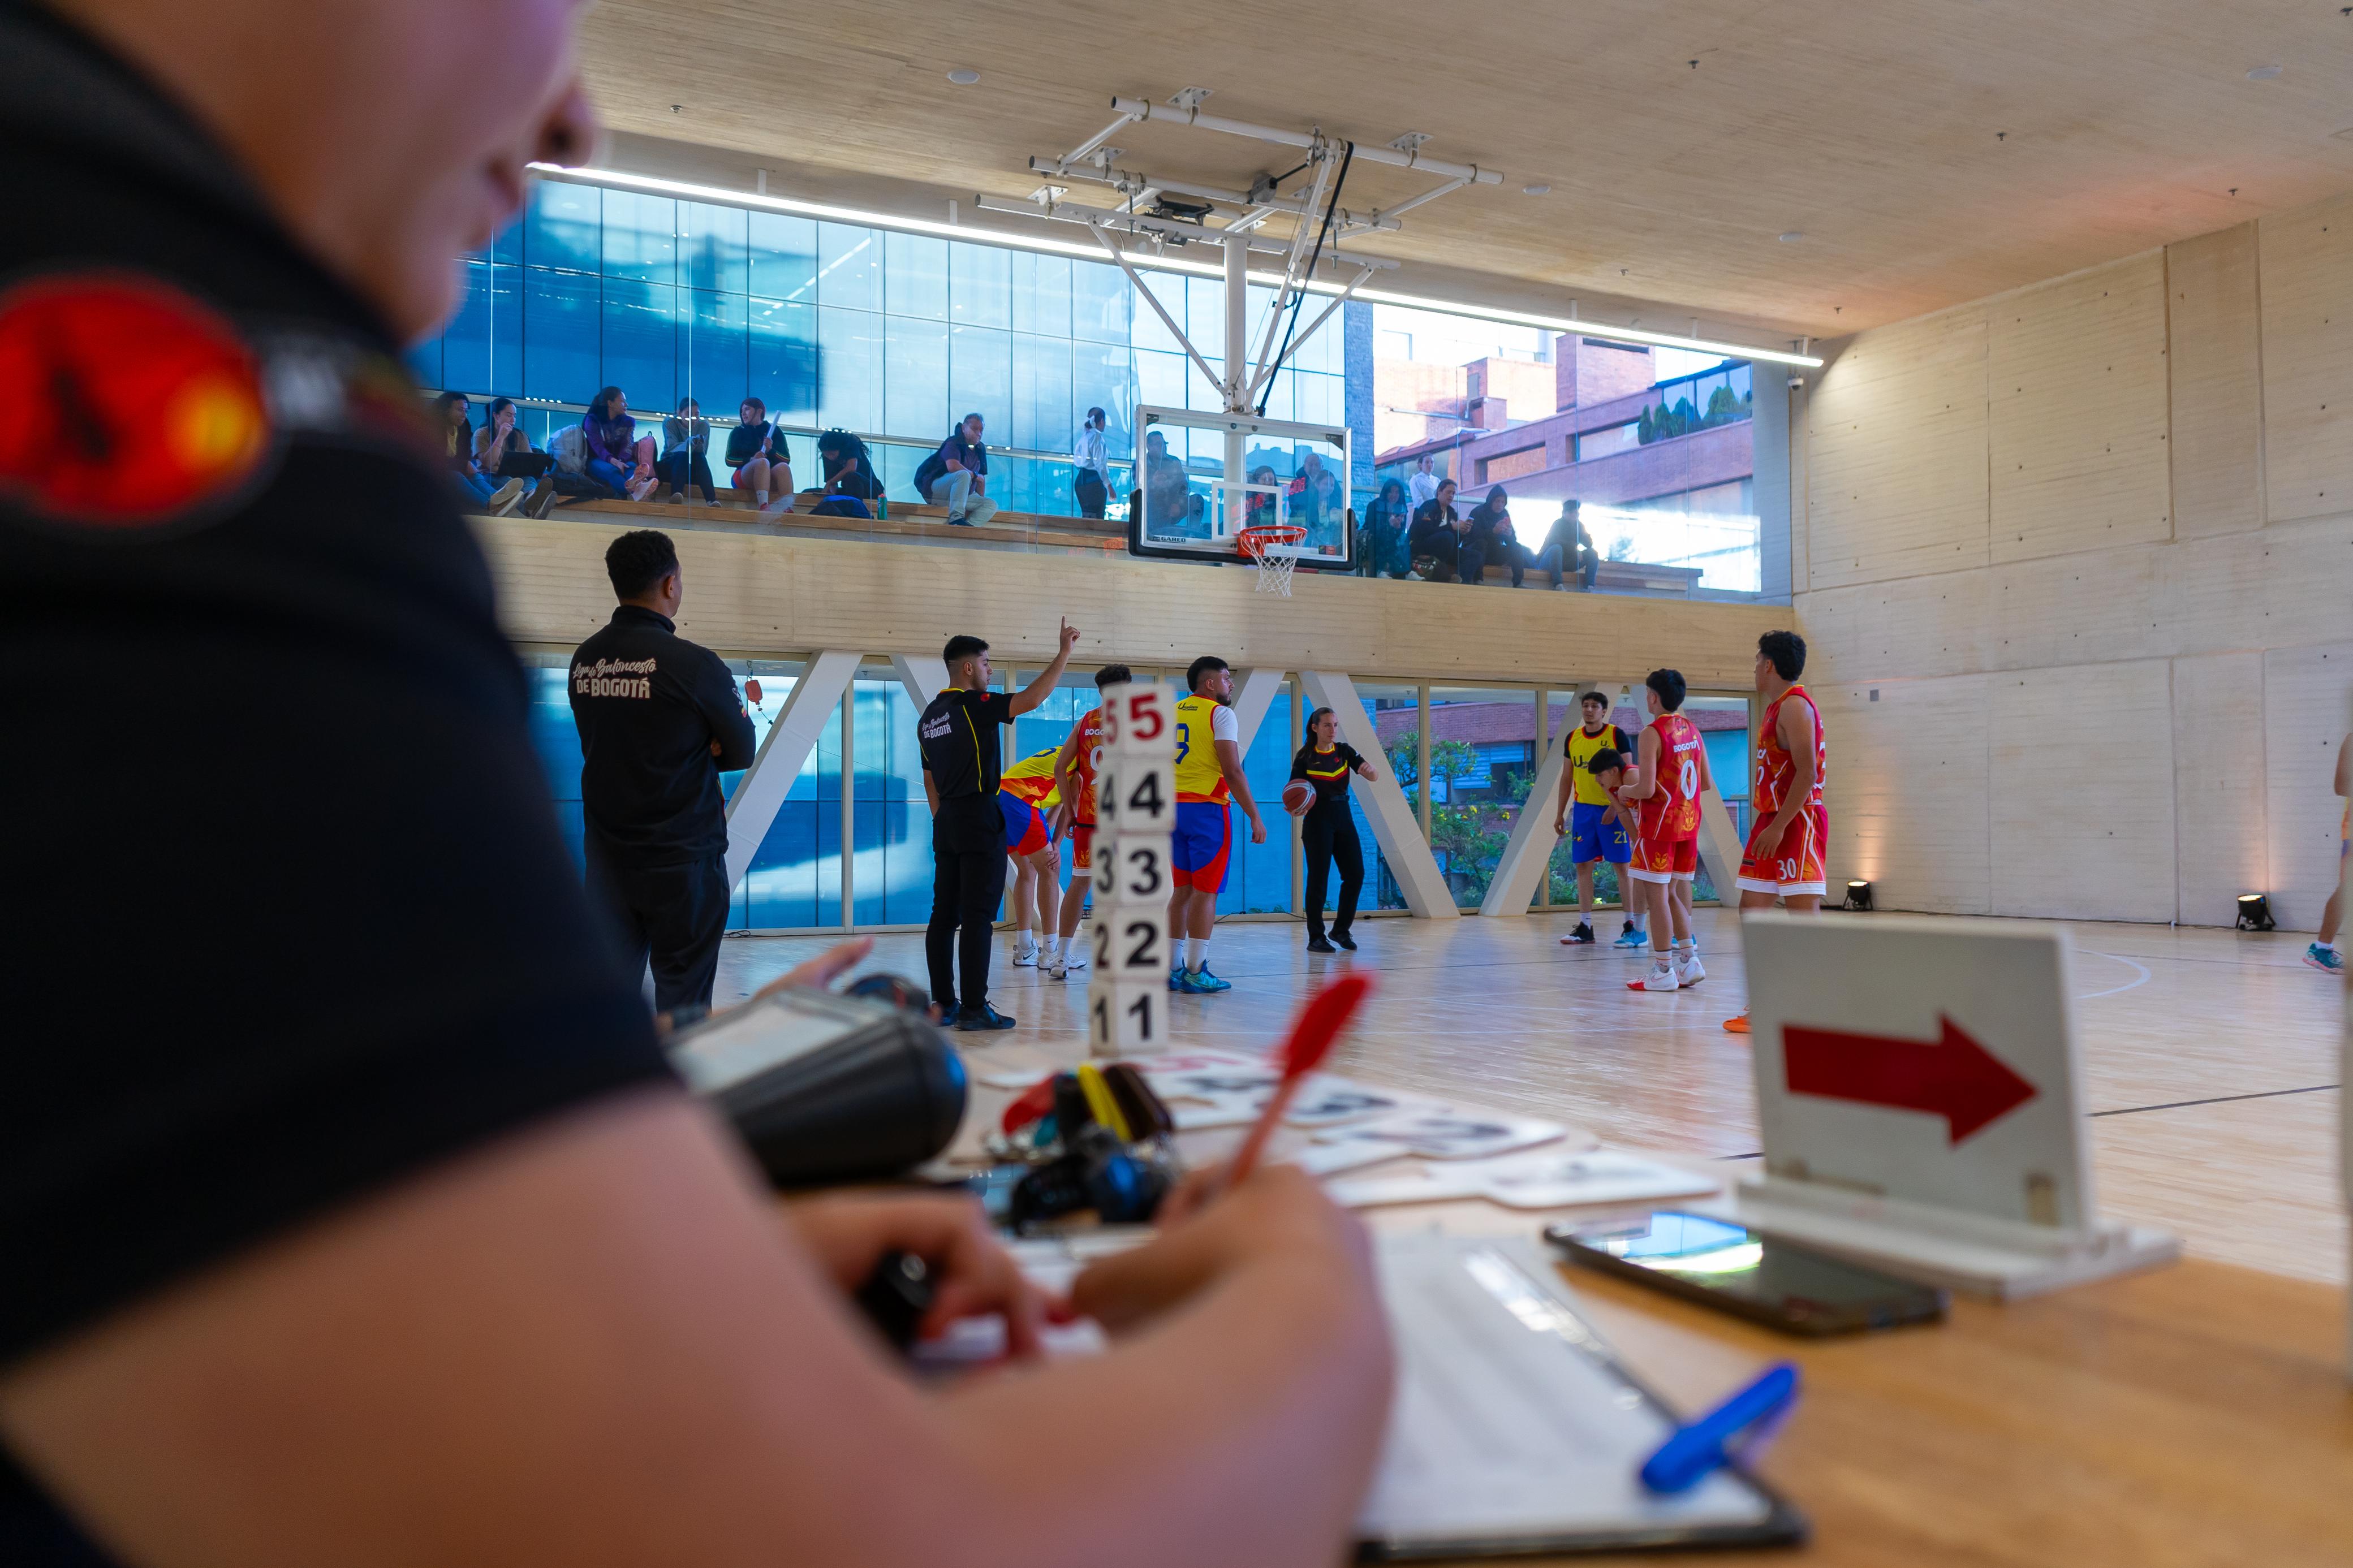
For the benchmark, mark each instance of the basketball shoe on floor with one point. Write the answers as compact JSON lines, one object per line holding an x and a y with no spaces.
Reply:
{"x":1689,"y":971}
{"x":1025,"y":953}
{"x":1581,"y":937}
{"x":1201,"y":983}
{"x":2321,"y":955}
{"x":1176,"y":975}
{"x":1629,"y":940}
{"x":1661,"y":978}
{"x":1060,"y":969}
{"x":1736,"y":1026}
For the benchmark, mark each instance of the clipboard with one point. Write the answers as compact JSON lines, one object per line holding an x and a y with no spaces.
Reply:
{"x":1517,"y":1430}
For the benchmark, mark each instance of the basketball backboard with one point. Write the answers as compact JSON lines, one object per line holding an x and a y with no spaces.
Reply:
{"x":1291,"y":473}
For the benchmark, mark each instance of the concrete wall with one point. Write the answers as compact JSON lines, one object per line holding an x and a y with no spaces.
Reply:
{"x":2077,"y":564}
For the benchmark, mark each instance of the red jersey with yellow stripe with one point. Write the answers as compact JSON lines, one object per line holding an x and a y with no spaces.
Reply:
{"x":1086,"y":759}
{"x":1777,"y":768}
{"x":1671,"y":812}
{"x":1032,"y":779}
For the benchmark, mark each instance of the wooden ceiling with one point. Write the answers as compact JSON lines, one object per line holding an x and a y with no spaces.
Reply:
{"x":1929,"y":151}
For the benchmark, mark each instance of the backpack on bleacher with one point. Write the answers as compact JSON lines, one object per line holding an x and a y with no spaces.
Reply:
{"x":569,"y":447}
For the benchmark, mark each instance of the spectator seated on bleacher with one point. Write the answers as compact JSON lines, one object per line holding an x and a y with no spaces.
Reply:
{"x":1569,"y":548}
{"x":618,"y":458}
{"x":759,"y":463}
{"x":458,"y":436}
{"x":957,"y":476}
{"x":849,"y":483}
{"x":686,"y":453}
{"x":501,"y":451}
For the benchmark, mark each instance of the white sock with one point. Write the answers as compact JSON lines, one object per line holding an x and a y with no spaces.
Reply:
{"x":759,"y":497}
{"x":1023,"y":940}
{"x":1199,"y":959}
{"x":1050,"y":943}
{"x":1681,"y":942}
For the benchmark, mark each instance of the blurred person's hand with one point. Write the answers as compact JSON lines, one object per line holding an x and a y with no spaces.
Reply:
{"x":1279,"y":1217}
{"x":823,"y":970}
{"x":972,"y":1275}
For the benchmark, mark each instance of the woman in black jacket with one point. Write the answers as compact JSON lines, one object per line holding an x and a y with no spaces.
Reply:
{"x":1327,"y":831}
{"x":1494,"y":542}
{"x":1380,"y":547}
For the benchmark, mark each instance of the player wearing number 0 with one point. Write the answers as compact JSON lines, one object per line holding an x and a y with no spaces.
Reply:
{"x":1668,"y":779}
{"x":1784,"y":858}
{"x":1208,"y":772}
{"x":1075,"y":766}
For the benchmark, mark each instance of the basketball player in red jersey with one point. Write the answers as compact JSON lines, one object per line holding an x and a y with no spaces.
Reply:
{"x":1786,"y":848}
{"x":1668,"y":779}
{"x":1074,"y":781}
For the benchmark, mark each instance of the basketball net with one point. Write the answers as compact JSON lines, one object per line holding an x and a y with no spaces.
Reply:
{"x":1274,"y":568}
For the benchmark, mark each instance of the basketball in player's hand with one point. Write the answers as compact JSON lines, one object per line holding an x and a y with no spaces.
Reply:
{"x":1297,"y":797}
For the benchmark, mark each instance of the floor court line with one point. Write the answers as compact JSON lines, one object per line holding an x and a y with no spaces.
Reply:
{"x":2216,"y":1099}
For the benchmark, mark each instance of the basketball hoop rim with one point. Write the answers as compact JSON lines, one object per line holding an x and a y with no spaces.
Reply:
{"x":1252,"y":543}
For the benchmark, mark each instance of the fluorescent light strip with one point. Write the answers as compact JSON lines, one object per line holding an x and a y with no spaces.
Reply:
{"x":1046,"y":246}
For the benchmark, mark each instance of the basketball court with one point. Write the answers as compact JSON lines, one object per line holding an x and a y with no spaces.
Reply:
{"x":2211,"y":1056}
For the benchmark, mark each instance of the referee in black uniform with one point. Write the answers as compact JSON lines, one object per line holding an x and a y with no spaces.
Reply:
{"x":659,"y":719}
{"x":963,"y":764}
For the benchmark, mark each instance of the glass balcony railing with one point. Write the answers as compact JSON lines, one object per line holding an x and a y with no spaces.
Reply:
{"x":1027,"y":485}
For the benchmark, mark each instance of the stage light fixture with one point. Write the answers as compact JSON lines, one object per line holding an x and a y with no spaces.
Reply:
{"x":2255,"y":912}
{"x":1858,"y":896}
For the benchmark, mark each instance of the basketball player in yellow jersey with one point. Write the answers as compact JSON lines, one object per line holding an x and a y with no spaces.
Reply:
{"x":1208,"y":772}
{"x":1026,"y":795}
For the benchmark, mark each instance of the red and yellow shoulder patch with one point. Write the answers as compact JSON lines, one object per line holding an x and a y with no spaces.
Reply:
{"x":133,"y":403}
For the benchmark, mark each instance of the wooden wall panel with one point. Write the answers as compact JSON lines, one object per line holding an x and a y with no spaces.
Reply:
{"x":1911,"y":628}
{"x":2080,"y":790}
{"x":1908,"y":791}
{"x":2307,"y":705}
{"x":2214,"y":329}
{"x":2091,"y":607}
{"x":2306,"y":278}
{"x":1895,"y":474}
{"x":2076,"y":413}
{"x":2220,"y":833}
{"x":749,"y":595}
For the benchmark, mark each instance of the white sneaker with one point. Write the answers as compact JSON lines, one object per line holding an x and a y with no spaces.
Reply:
{"x":640,"y":488}
{"x":1659,"y":980}
{"x":1025,"y":954}
{"x":1689,"y":971}
{"x":1074,"y":954}
{"x":1060,"y":969}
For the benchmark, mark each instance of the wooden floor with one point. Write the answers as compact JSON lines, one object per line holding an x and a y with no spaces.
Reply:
{"x":2211,"y":1055}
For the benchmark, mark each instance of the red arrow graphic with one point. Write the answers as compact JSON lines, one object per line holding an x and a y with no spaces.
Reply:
{"x":1954,"y":1078}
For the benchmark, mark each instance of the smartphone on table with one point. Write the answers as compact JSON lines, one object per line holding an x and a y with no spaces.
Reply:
{"x":1725,"y":1265}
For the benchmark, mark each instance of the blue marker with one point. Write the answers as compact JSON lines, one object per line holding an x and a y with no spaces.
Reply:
{"x":1704,"y":1446}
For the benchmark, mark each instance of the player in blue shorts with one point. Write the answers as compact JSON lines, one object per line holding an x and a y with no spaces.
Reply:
{"x":1208,"y":772}
{"x":1588,"y":818}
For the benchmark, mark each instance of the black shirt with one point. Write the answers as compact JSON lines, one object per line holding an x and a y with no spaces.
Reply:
{"x":648,"y":704}
{"x":309,"y":925}
{"x":746,"y":442}
{"x":1327,"y":771}
{"x":1432,"y":517}
{"x":959,"y":735}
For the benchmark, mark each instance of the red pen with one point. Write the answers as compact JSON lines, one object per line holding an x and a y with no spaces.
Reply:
{"x":1312,"y":1035}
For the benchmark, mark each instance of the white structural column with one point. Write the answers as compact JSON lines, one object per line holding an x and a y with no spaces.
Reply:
{"x":1395,"y":827}
{"x":760,"y":793}
{"x":1254,"y":693}
{"x":924,"y":676}
{"x":1719,"y":846}
{"x":1529,"y":850}
{"x":1237,"y":388}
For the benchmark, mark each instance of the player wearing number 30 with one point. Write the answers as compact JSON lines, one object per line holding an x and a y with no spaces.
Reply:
{"x":1208,"y":772}
{"x":1784,"y":857}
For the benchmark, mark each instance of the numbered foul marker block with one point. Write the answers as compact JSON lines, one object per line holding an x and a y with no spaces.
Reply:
{"x":1131,"y":868}
{"x":1136,"y":794}
{"x":1137,"y":719}
{"x":1130,"y":941}
{"x":1126,"y":1019}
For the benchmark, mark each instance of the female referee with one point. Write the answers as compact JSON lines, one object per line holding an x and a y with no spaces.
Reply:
{"x":1326,"y":829}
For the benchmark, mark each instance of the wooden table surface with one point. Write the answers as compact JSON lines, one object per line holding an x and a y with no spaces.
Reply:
{"x":2197,"y":1414}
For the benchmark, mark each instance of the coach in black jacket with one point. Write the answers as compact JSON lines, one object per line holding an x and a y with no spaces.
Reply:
{"x":659,"y":720}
